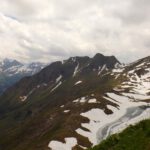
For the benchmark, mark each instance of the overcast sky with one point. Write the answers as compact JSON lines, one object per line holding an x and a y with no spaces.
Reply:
{"x":49,"y":30}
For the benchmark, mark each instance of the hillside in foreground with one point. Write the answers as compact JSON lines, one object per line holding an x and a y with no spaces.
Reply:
{"x":133,"y":138}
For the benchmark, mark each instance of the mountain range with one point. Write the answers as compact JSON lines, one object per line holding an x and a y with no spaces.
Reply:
{"x":12,"y":71}
{"x":74,"y":104}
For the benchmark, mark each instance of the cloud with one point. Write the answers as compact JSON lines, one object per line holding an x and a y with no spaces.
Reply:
{"x":137,"y":12}
{"x":49,"y":30}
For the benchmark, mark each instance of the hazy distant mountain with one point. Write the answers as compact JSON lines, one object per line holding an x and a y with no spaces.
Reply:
{"x":74,"y":104}
{"x":12,"y":71}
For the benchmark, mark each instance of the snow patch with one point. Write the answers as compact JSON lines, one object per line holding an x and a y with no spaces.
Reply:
{"x":66,"y":111}
{"x":102,"y":69}
{"x":75,"y":101}
{"x":118,"y":70}
{"x":80,"y":100}
{"x":59,"y":78}
{"x":76,"y":70}
{"x":78,"y":82}
{"x":68,"y":145}
{"x":93,"y":100}
{"x":99,"y":119}
{"x":83,"y":100}
{"x":121,"y":127}
{"x":56,"y":86}
{"x":23,"y":98}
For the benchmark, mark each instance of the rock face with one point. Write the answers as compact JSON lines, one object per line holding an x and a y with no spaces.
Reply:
{"x":12,"y":71}
{"x":66,"y":103}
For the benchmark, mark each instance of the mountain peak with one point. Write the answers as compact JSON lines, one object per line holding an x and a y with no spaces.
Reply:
{"x":99,"y":55}
{"x":12,"y":71}
{"x":99,"y":60}
{"x":8,"y":63}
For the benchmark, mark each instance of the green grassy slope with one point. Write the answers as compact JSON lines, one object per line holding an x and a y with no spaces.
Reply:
{"x":133,"y":138}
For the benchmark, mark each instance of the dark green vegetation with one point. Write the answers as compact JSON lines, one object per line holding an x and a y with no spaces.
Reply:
{"x":133,"y":138}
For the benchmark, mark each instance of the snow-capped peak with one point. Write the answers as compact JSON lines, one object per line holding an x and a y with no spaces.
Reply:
{"x":12,"y":70}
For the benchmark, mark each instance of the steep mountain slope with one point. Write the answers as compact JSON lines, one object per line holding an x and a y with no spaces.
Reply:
{"x":12,"y":71}
{"x":59,"y":73}
{"x":74,"y":104}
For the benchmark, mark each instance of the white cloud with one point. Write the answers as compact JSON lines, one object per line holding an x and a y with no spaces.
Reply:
{"x":49,"y":30}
